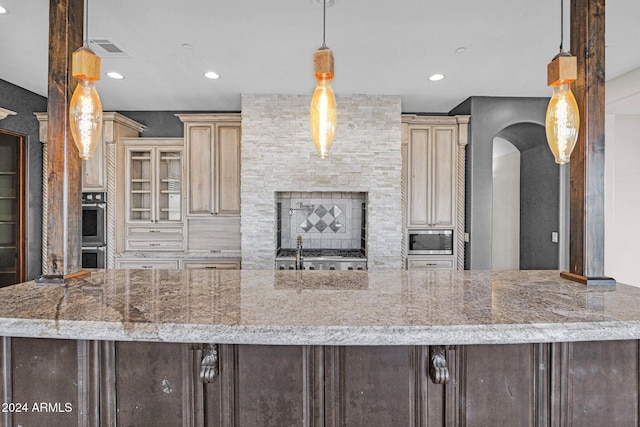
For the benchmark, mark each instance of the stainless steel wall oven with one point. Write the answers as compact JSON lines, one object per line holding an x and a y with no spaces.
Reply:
{"x":94,"y":227}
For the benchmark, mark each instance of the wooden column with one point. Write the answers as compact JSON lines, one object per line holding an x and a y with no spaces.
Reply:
{"x":64,"y":166}
{"x":586,"y":247}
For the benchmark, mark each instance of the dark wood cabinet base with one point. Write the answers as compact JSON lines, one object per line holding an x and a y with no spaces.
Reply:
{"x":65,"y":382}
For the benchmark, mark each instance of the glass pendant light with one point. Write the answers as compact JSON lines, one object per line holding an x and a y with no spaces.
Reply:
{"x":562,"y":121}
{"x":85,"y":108}
{"x":323,"y":113}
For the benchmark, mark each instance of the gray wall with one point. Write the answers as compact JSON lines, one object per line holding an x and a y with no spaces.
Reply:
{"x":489,"y":116}
{"x":162,"y":124}
{"x":24,"y":103}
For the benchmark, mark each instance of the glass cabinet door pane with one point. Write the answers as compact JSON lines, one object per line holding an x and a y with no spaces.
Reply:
{"x":9,"y":204}
{"x":169,"y":185}
{"x":140,"y":186}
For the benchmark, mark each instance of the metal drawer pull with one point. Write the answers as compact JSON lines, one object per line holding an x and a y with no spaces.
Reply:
{"x":210,"y":267}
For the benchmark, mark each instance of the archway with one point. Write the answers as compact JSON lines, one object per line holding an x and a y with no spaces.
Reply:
{"x":526,"y":200}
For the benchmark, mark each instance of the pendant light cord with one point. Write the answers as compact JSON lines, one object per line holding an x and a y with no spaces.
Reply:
{"x":561,"y":23}
{"x":85,"y":26}
{"x":324,"y":22}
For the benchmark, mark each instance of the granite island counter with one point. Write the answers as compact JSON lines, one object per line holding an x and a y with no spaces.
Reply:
{"x":323,"y":348}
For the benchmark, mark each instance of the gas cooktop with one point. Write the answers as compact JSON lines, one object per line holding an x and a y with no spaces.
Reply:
{"x":322,"y":253}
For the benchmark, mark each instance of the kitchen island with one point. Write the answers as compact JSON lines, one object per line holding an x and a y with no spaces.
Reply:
{"x":262,"y":348}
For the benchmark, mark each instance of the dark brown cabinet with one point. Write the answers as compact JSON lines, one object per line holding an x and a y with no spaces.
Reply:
{"x":151,"y":384}
{"x":12,"y":208}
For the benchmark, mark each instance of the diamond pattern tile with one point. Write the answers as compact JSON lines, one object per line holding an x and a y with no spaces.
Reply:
{"x":335,"y":211}
{"x":306,"y":225}
{"x":335,"y":226}
{"x":321,"y":226}
{"x":321,"y":211}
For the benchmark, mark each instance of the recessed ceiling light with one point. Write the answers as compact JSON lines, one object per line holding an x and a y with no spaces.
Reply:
{"x":436,"y":77}
{"x":461,"y":50}
{"x":3,"y":10}
{"x":115,"y":75}
{"x":211,"y":75}
{"x":187,"y":46}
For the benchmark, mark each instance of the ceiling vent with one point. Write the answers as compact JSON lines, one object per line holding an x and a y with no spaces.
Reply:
{"x":106,"y":49}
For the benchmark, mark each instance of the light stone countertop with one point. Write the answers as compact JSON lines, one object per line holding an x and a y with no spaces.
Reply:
{"x":321,"y":308}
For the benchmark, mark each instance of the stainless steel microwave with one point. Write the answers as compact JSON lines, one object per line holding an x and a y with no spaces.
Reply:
{"x":430,"y":242}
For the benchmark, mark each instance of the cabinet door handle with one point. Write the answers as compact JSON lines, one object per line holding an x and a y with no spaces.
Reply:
{"x":146,"y":266}
{"x":154,"y":244}
{"x":154,"y":231}
{"x":210,"y":267}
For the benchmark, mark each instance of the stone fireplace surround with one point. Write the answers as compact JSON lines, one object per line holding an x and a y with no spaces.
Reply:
{"x":278,"y":155}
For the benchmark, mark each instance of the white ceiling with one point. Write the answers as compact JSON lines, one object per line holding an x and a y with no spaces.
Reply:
{"x":267,"y":46}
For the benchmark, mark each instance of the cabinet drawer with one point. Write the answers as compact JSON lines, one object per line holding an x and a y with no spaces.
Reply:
{"x":430,"y":264}
{"x":153,"y":245}
{"x":147,"y":264}
{"x":136,"y":232}
{"x":211,"y":264}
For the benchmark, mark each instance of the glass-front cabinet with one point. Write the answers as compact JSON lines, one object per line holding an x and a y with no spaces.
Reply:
{"x":155,"y":184}
{"x":11,"y":209}
{"x":154,"y":194}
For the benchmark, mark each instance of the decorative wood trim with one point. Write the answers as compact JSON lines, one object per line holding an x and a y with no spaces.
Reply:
{"x":541,"y":383}
{"x":404,"y":149}
{"x":334,"y":386}
{"x":108,"y":404}
{"x":7,"y":376}
{"x":463,"y":138}
{"x":208,"y":118}
{"x":112,"y":205}
{"x":432,"y":120}
{"x":4,"y":113}
{"x":89,"y":383}
{"x":313,"y":386}
{"x":192,"y":391}
{"x":229,"y":411}
{"x":418,"y":395}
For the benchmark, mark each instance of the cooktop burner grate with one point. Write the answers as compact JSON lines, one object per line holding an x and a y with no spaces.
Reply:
{"x":322,"y":253}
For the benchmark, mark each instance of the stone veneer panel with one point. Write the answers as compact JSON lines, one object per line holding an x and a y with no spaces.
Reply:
{"x":278,"y":155}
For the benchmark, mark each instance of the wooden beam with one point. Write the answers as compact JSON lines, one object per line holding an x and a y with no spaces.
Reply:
{"x":586,"y":247}
{"x":64,"y":218}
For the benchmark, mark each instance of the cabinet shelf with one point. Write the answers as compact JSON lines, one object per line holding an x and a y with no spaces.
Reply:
{"x":8,"y":198}
{"x":170,"y":191}
{"x":140,"y":191}
{"x":140,"y":180}
{"x":141,"y":209}
{"x":141,"y":158}
{"x":8,"y":222}
{"x":8,"y":173}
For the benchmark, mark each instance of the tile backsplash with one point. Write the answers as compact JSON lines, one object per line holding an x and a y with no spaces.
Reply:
{"x":325,"y":220}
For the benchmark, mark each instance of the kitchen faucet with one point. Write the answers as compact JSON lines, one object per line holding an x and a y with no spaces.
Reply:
{"x":299,"y":253}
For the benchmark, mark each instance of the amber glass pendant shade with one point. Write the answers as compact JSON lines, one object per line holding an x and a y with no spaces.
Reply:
{"x":562,"y":123}
{"x":85,"y":117}
{"x":85,"y":108}
{"x":323,"y":117}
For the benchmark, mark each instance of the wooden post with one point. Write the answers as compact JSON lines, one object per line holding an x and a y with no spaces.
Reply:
{"x":64,"y":218}
{"x":586,"y":247}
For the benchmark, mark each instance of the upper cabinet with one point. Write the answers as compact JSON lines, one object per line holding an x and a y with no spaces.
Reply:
{"x":212,"y":147}
{"x":154,"y":184}
{"x":432,"y":176}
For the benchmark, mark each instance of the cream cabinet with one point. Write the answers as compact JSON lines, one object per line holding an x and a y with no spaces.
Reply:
{"x":212,"y":174}
{"x":154,"y":190}
{"x":147,"y":264}
{"x":432,"y":176}
{"x":211,"y":264}
{"x":434,"y":183}
{"x":431,"y":263}
{"x":212,"y":165}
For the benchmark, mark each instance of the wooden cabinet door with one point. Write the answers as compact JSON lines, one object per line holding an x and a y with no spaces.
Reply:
{"x":418,"y":179}
{"x":228,"y":171}
{"x":443,"y":178}
{"x":93,"y":170}
{"x":200,"y":170}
